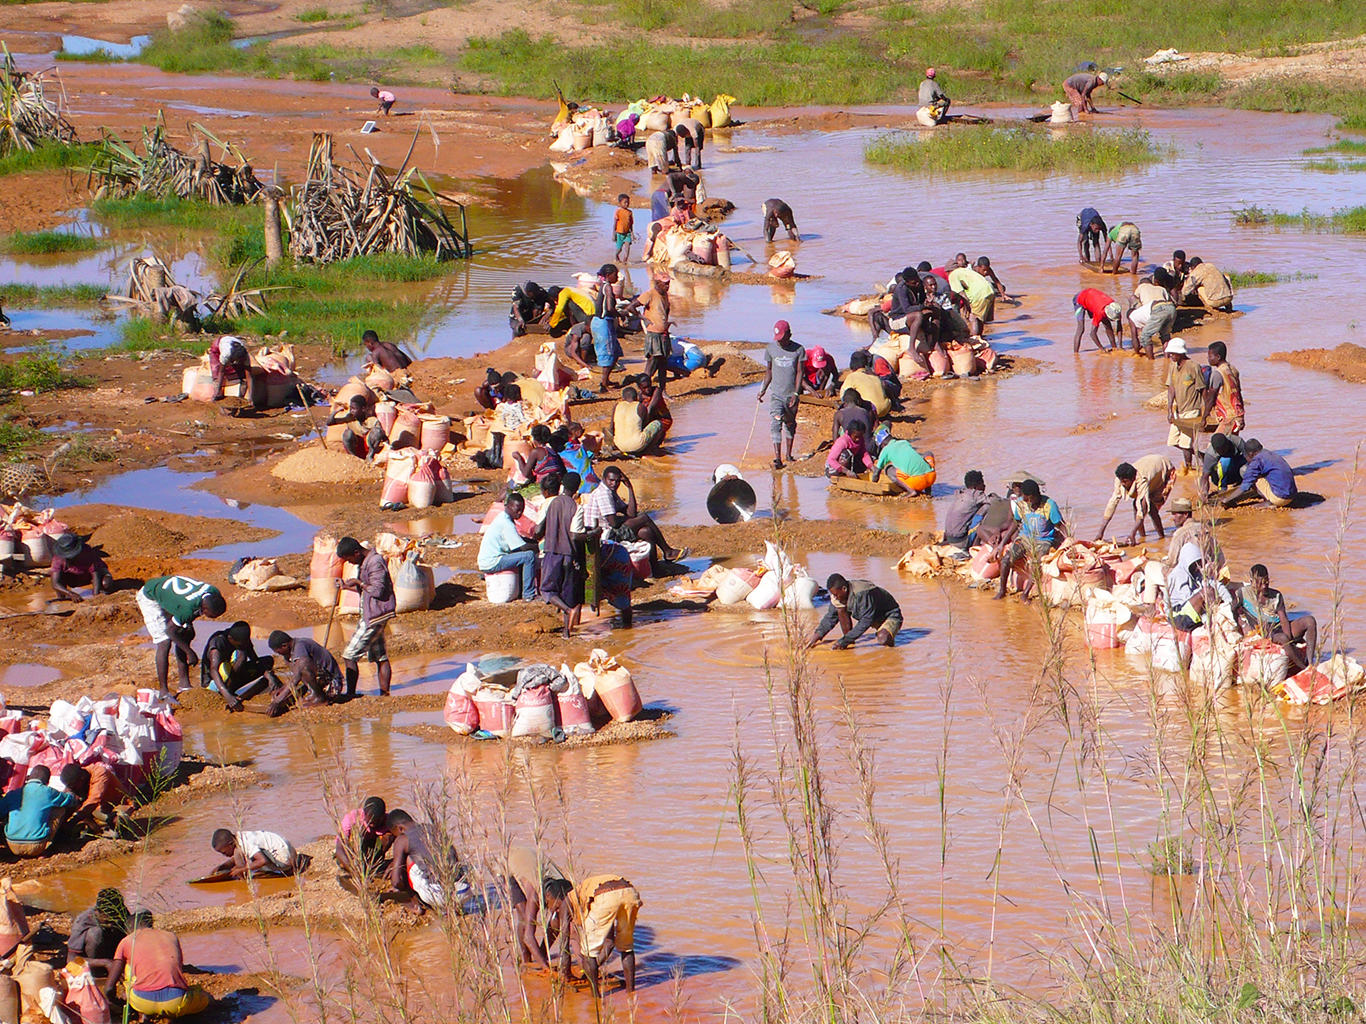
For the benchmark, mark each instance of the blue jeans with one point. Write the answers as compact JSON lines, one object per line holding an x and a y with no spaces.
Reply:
{"x":526,"y":562}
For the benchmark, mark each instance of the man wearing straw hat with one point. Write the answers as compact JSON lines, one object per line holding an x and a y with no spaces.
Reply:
{"x":76,"y":565}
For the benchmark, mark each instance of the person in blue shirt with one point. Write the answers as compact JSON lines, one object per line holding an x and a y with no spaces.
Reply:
{"x":504,"y":548}
{"x":1269,"y":473}
{"x":1222,"y":466}
{"x":1037,"y":530}
{"x":34,"y":813}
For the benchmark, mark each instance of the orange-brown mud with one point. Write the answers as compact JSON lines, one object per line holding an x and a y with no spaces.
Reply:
{"x":1347,"y":360}
{"x":39,"y":200}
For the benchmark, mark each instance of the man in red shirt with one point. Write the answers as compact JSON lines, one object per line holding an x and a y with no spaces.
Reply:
{"x":1103,"y":310}
{"x":75,"y":565}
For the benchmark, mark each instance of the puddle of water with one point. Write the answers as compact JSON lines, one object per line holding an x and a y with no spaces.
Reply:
{"x":99,"y":330}
{"x":168,"y":491}
{"x":28,"y":675}
{"x":82,"y":46}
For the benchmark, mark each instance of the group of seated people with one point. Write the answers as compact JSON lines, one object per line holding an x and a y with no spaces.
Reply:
{"x":933,"y":306}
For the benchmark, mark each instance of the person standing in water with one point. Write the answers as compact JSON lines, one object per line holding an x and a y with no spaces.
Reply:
{"x":784,"y":362}
{"x":775,"y":210}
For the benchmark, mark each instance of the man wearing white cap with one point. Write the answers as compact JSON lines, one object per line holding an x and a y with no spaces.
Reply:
{"x":1079,"y":89}
{"x":934,"y":97}
{"x":1103,"y":310}
{"x":1185,"y":400}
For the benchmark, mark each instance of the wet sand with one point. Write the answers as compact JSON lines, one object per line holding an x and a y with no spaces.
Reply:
{"x":660,"y":812}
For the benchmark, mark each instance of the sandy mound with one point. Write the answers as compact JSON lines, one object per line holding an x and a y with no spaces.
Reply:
{"x":318,"y":465}
{"x":133,"y":534}
{"x":1348,"y":361}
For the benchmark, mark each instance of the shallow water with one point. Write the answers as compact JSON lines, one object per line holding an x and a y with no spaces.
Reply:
{"x":659,"y":812}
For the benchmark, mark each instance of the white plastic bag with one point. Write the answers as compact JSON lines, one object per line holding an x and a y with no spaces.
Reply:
{"x":768,"y":592}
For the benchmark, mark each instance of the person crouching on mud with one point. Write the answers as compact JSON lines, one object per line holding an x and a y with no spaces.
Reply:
{"x":873,"y":606}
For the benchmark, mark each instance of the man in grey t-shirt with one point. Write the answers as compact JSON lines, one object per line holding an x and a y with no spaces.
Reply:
{"x":785,"y":363}
{"x":934,"y":97}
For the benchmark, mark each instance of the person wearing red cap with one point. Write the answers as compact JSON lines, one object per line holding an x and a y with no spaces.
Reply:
{"x":933,"y":96}
{"x":784,"y":371}
{"x":821,"y":376}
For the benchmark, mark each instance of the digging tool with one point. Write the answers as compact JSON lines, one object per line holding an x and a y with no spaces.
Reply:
{"x":327,"y":634}
{"x":299,"y":387}
{"x":757,"y":406}
{"x":1129,"y":98}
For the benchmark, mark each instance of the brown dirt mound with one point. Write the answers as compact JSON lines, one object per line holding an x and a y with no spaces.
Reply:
{"x":648,"y":725}
{"x":135,"y":534}
{"x":144,"y":533}
{"x":315,"y":464}
{"x":1348,"y":361}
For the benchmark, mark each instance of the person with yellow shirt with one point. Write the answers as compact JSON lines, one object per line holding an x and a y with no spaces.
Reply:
{"x":602,"y":910}
{"x":868,"y":385}
{"x":980,"y":295}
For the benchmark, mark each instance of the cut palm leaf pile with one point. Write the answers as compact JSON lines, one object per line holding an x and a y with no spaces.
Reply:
{"x":119,"y":172}
{"x":339,"y":214}
{"x":27,"y":116}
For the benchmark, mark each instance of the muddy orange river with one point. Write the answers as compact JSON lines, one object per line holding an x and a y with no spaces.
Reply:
{"x":660,"y":812}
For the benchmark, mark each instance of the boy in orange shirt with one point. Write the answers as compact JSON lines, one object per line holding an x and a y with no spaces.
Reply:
{"x":622,"y":224}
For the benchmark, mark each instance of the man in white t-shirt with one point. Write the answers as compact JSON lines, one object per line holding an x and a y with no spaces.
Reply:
{"x":254,"y":853}
{"x":228,"y":358}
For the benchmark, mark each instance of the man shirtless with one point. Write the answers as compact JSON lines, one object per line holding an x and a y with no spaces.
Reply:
{"x":384,"y":354}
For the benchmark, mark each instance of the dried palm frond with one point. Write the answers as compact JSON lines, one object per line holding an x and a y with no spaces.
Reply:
{"x":339,"y":214}
{"x":162,"y":170}
{"x":152,"y":292}
{"x":27,"y":116}
{"x":237,"y":301}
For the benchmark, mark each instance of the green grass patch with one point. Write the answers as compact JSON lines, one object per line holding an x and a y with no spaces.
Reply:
{"x":238,"y":228}
{"x":100,"y":56}
{"x":982,"y":147}
{"x":49,"y":156}
{"x":49,"y":243}
{"x":1335,"y":166}
{"x":313,"y":15}
{"x":783,"y":73}
{"x":1297,"y":97}
{"x":1007,"y":50}
{"x":1340,"y":146}
{"x":1259,"y":278}
{"x":16,"y":439}
{"x":39,"y":373}
{"x":739,"y":20}
{"x":1351,"y":221}
{"x":50,"y":296}
{"x":336,"y":304}
{"x":333,"y":304}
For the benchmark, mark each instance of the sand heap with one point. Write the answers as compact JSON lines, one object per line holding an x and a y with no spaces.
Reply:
{"x":318,"y":465}
{"x":1348,"y":361}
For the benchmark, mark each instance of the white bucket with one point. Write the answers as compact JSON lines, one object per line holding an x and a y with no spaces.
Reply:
{"x":503,"y":587}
